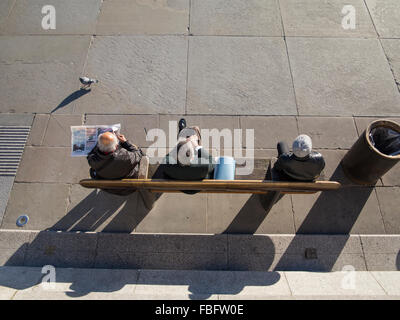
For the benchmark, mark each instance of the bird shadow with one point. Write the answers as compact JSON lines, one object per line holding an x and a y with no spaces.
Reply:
{"x":72,"y":97}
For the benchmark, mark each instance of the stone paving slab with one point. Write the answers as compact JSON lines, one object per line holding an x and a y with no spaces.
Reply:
{"x":161,"y":284}
{"x":388,"y":202}
{"x":392,"y":48}
{"x":324,"y":19}
{"x":382,"y":261}
{"x":58,"y":130}
{"x":236,"y":17}
{"x":199,"y":251}
{"x":143,"y":17}
{"x":28,"y":198}
{"x":54,"y":165}
{"x":72,"y":17}
{"x":65,"y":258}
{"x":380,"y":243}
{"x":61,"y":249}
{"x":284,"y":252}
{"x":42,"y":240}
{"x":76,"y":282}
{"x":268,"y":131}
{"x":94,"y":210}
{"x":331,"y":283}
{"x":203,"y":122}
{"x":189,"y":215}
{"x":389,"y":280}
{"x":324,"y":262}
{"x":385,"y":16}
{"x":13,"y":247}
{"x":5,"y":8}
{"x":212,"y":283}
{"x":348,"y":210}
{"x":163,"y":260}
{"x":6,"y":184}
{"x":137,"y":74}
{"x":38,"y":130}
{"x":335,"y":77}
{"x":333,"y":170}
{"x":174,"y":284}
{"x":148,"y":243}
{"x":239,"y":75}
{"x":12,"y":257}
{"x":46,"y":67}
{"x":134,"y":127}
{"x":329,"y":132}
{"x":12,"y":119}
{"x":363,"y":122}
{"x":244,"y":214}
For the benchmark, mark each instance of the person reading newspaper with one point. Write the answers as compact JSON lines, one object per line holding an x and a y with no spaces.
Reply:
{"x":114,"y":157}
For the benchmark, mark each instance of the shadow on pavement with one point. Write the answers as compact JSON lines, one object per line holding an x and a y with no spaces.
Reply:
{"x":334,"y":212}
{"x":116,"y":213}
{"x":175,"y":254}
{"x":72,"y":97}
{"x":250,"y":216}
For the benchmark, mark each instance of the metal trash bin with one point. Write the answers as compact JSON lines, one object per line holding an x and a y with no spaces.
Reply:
{"x":364,"y":163}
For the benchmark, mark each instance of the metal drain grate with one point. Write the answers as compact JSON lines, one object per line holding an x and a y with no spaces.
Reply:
{"x":12,"y":143}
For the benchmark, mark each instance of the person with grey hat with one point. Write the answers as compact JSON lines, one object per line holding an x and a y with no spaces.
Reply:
{"x":302,"y":164}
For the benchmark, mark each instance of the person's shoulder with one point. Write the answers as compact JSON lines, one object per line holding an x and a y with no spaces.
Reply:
{"x":285,"y":157}
{"x":316,"y":155}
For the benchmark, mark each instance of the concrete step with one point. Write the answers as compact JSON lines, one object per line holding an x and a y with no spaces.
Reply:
{"x":236,"y":252}
{"x":18,"y":283}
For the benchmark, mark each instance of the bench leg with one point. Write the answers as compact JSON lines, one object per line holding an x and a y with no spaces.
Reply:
{"x":268,"y":200}
{"x":149,"y":198}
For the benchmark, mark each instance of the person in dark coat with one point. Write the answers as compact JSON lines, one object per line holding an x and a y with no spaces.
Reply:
{"x":189,"y":160}
{"x":302,"y":164}
{"x":114,"y":158}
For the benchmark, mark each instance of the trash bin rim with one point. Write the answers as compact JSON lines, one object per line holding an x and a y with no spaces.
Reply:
{"x":381,"y":123}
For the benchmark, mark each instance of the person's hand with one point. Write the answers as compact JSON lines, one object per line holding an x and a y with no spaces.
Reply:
{"x":121,"y":137}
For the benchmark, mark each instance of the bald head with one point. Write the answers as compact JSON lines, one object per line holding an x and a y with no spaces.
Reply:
{"x":107,"y":142}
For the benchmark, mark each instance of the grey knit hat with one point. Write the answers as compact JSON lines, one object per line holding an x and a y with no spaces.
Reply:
{"x":302,"y":146}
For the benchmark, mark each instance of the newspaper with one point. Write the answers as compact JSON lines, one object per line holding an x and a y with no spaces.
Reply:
{"x":84,"y":138}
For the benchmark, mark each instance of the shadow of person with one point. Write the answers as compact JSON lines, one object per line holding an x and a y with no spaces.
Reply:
{"x":217,"y":277}
{"x":252,"y":214}
{"x":254,"y":211}
{"x":72,"y":97}
{"x":229,"y":283}
{"x":334,"y":213}
{"x":105,"y":212}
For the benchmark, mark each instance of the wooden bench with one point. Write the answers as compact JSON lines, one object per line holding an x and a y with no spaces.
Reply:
{"x":264,"y":181}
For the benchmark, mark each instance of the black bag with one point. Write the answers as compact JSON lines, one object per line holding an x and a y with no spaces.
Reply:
{"x":386,"y":140}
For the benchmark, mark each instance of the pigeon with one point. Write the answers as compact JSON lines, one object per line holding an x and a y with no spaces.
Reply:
{"x":87,"y":82}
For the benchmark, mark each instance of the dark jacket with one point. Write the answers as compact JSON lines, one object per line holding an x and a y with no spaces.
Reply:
{"x":195,"y":171}
{"x":305,"y":169}
{"x":120,"y":164}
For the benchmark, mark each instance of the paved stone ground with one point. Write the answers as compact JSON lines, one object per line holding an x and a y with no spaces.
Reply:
{"x":280,"y":67}
{"x":23,"y":283}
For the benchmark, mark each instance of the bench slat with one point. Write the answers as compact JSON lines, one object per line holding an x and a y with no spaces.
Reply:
{"x":248,"y":186}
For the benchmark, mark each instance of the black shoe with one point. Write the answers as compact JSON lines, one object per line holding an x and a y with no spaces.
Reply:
{"x":182,"y":124}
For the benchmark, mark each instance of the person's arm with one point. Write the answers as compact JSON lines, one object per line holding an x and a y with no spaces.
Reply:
{"x":135,"y":154}
{"x":124,"y":143}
